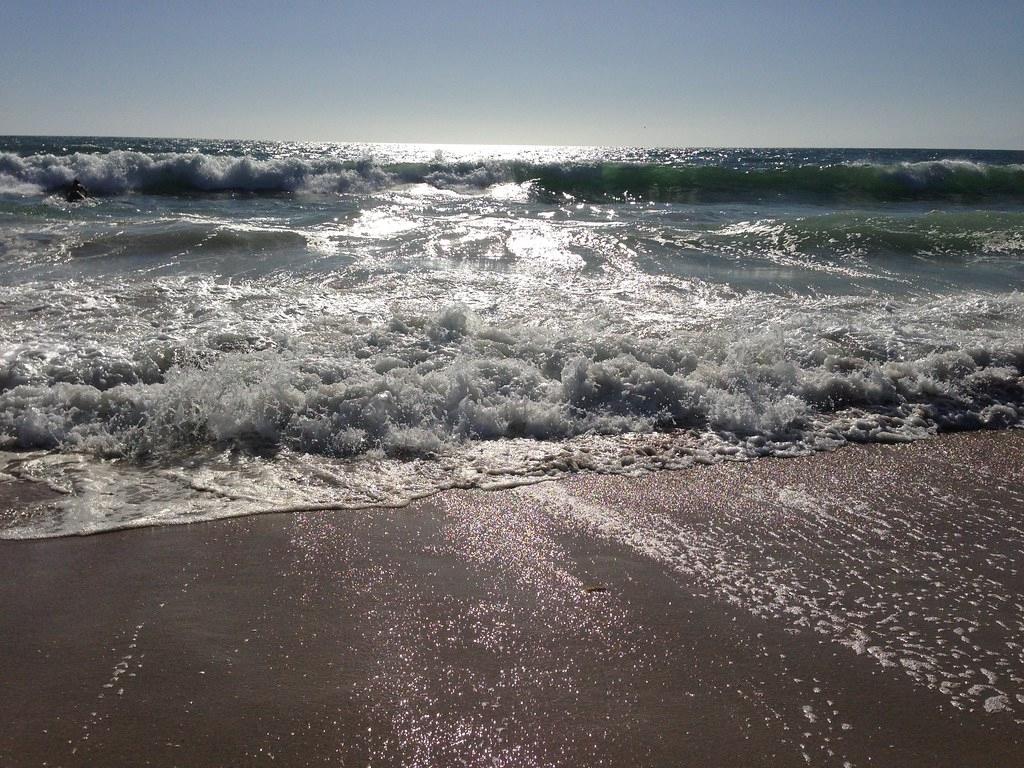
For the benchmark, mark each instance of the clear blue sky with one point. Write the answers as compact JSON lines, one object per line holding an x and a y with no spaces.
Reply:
{"x":915,"y":73}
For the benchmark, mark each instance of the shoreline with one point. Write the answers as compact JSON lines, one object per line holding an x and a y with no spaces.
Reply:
{"x":16,"y":491}
{"x":711,"y":613}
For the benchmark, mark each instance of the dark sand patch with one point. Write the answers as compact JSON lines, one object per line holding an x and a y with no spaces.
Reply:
{"x":460,"y":631}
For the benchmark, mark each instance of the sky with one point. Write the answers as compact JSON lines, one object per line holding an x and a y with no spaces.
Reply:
{"x":880,"y":74}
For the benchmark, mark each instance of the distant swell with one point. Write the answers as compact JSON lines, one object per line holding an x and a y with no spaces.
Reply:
{"x":122,"y":172}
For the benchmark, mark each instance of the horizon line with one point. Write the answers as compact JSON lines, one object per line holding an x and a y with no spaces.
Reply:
{"x":510,"y":144}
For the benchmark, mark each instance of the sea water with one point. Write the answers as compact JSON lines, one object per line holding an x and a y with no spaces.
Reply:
{"x":232,"y":327}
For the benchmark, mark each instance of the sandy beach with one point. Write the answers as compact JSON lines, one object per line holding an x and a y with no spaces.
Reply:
{"x":861,"y":607}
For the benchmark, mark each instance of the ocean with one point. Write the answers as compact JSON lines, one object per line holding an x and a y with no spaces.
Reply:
{"x":226,"y":328}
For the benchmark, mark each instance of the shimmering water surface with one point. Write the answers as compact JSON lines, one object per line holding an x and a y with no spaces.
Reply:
{"x":225,"y":328}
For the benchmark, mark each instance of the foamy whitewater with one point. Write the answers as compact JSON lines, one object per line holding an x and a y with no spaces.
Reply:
{"x":227,"y":328}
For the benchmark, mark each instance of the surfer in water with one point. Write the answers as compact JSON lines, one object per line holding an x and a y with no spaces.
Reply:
{"x":76,"y":192}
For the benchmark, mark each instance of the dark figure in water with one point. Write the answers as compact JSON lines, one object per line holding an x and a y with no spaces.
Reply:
{"x":76,"y":192}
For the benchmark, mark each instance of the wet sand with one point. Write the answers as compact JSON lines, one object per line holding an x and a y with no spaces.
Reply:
{"x":856,"y":608}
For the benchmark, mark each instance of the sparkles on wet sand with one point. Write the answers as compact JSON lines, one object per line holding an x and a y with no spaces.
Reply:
{"x":856,"y":607}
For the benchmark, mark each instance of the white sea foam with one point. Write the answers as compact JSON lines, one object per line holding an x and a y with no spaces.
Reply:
{"x":415,"y":384}
{"x":12,"y":185}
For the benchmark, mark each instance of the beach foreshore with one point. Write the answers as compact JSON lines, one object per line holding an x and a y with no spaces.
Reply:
{"x":861,"y":607}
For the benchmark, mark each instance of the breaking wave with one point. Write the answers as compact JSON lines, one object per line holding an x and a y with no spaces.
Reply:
{"x":120,"y":172}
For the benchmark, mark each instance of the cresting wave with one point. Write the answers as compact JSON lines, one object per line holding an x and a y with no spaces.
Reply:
{"x":948,"y":180}
{"x":120,"y":172}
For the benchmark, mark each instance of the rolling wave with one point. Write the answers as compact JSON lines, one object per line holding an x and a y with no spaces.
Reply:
{"x":121,"y":172}
{"x":949,"y":180}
